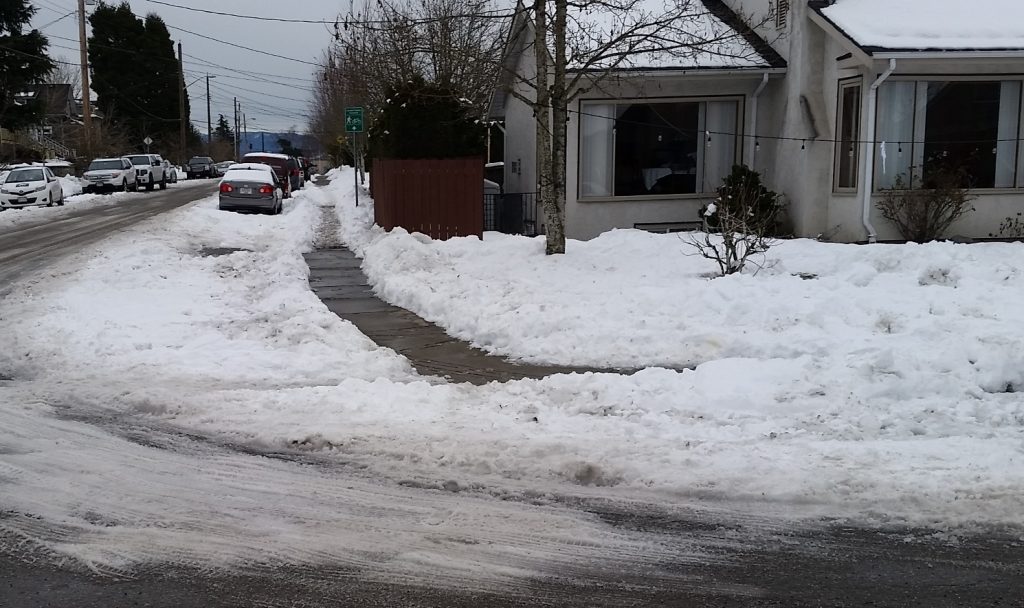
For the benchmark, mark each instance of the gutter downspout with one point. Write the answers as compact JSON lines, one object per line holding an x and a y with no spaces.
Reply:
{"x":869,"y":161}
{"x":753,"y":117}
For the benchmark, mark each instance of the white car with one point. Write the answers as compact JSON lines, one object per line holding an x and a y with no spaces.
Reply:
{"x":110,"y":174}
{"x":30,"y":187}
{"x":170,"y":172}
{"x":149,"y":170}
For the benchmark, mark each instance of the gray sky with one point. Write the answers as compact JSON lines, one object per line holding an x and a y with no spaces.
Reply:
{"x":275,"y":102}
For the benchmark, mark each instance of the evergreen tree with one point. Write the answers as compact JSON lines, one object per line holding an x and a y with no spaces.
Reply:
{"x":23,"y":61}
{"x":425,"y":120}
{"x":223,"y":132}
{"x":287,"y":147}
{"x":135,"y":74}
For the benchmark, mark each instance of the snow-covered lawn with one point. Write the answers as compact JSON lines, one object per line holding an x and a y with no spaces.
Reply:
{"x":881,"y":390}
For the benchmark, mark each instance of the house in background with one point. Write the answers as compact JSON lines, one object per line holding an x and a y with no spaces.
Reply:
{"x":830,"y":101}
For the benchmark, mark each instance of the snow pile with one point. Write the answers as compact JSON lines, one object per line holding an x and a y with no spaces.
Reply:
{"x":931,"y":24}
{"x":71,"y":186}
{"x":880,"y":389}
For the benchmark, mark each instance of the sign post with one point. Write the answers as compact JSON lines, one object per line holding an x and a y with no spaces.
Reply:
{"x":354,"y":125}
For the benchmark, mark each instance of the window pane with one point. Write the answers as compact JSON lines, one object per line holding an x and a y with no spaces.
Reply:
{"x":656,"y":149}
{"x":1006,"y":149}
{"x":894,"y":154}
{"x":961,"y":129}
{"x":596,"y":136}
{"x":849,"y":131}
{"x":720,"y":155}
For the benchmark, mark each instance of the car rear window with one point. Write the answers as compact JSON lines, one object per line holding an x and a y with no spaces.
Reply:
{"x":139,"y":160}
{"x":277,"y":163}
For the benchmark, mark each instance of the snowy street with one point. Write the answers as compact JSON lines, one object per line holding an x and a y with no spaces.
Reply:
{"x":842,"y":427}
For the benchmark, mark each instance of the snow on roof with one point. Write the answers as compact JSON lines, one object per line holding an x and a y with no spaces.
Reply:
{"x":676,"y":34}
{"x":265,"y":155}
{"x":931,"y":24}
{"x":249,"y":175}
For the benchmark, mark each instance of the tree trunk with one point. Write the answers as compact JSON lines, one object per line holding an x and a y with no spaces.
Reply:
{"x":554,"y":228}
{"x":559,"y":132}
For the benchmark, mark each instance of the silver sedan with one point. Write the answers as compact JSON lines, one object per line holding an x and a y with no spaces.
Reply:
{"x":251,"y":187}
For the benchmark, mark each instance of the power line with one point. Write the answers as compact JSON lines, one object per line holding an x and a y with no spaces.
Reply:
{"x":239,"y":16}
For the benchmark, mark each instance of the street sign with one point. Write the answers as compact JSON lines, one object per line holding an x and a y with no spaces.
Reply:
{"x":147,"y":141}
{"x":353,"y":120}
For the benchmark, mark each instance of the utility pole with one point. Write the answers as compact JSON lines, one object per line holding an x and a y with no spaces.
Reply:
{"x":86,"y":104}
{"x":245,"y":130}
{"x":181,"y":103}
{"x":209,"y":122}
{"x":235,"y":107}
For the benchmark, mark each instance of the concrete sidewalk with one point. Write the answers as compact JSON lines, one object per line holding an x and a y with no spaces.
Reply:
{"x":336,"y":277}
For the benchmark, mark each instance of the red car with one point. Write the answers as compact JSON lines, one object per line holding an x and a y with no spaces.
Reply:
{"x":286,"y":168}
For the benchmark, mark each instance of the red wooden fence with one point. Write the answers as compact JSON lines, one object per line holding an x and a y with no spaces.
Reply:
{"x":441,"y":198}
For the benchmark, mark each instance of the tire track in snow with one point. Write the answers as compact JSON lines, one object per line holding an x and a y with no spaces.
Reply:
{"x":81,"y":491}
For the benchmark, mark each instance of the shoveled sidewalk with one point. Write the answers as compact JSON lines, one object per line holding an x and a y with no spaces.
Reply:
{"x":336,"y":277}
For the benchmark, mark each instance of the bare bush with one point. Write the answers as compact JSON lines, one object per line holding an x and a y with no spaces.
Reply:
{"x":740,"y":223}
{"x":923,"y":212}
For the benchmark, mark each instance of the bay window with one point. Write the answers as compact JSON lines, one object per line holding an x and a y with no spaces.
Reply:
{"x":968,"y":126}
{"x":657,"y":147}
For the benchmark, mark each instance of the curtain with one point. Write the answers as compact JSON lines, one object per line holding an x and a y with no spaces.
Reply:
{"x":894,"y":152}
{"x":1006,"y":147}
{"x":720,"y":154}
{"x":597,"y":133}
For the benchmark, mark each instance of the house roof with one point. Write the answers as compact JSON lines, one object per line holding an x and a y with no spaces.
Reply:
{"x":706,"y":34}
{"x":925,"y":25}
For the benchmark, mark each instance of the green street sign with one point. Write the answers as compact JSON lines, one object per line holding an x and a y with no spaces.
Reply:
{"x":353,"y":120}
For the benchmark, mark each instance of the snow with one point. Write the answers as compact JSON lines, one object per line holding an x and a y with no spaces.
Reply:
{"x":249,"y":175}
{"x":931,"y":24}
{"x":665,"y":34}
{"x":878,"y":391}
{"x":70,"y":185}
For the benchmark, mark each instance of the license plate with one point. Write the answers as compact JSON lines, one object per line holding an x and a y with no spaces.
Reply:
{"x":23,"y":200}
{"x":245,"y":190}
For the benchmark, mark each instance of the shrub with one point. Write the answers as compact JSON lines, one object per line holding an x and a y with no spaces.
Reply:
{"x":924,"y":210}
{"x":745,"y":218}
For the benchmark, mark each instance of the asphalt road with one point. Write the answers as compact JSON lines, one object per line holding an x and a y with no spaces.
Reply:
{"x":743,"y":562}
{"x":27,"y":247}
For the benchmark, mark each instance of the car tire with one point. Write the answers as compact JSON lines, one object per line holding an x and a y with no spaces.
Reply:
{"x":163,"y":183}
{"x":124,"y":185}
{"x":149,"y":187}
{"x":60,"y":202}
{"x":135,"y":186}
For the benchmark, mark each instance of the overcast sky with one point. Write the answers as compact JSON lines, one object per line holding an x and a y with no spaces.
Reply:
{"x":275,"y":102}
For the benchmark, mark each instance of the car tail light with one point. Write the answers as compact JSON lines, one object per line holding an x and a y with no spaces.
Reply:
{"x":266,"y":190}
{"x":225,"y":187}
{"x":295,"y":171}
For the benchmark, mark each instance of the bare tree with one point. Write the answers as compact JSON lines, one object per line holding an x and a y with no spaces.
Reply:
{"x":584,"y":42}
{"x":382,"y":44}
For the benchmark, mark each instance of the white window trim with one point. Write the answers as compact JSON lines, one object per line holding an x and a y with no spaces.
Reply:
{"x":842,"y":85}
{"x":738,"y":156}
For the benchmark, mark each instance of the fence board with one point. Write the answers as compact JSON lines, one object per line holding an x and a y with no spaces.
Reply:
{"x":439,"y":198}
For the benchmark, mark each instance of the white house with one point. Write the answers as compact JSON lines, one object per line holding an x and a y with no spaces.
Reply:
{"x":830,"y":101}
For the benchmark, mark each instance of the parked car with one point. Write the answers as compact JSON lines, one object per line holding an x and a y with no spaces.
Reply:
{"x":202,"y":166}
{"x":149,"y":170}
{"x":30,"y":187}
{"x":109,"y":174}
{"x":224,"y":165}
{"x":306,"y":167}
{"x":286,"y":168}
{"x":251,"y":187}
{"x":171,"y":172}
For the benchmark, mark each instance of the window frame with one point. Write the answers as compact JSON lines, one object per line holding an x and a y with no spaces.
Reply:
{"x":841,"y":85}
{"x":740,"y":137}
{"x":918,"y":80}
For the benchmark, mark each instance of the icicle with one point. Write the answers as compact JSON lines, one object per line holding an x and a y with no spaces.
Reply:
{"x":881,"y":153}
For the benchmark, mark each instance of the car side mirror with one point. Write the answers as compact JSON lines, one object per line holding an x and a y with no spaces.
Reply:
{"x":156,"y":164}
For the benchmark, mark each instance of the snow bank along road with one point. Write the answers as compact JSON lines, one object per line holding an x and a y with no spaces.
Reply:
{"x":32,"y":238}
{"x":188,"y":429}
